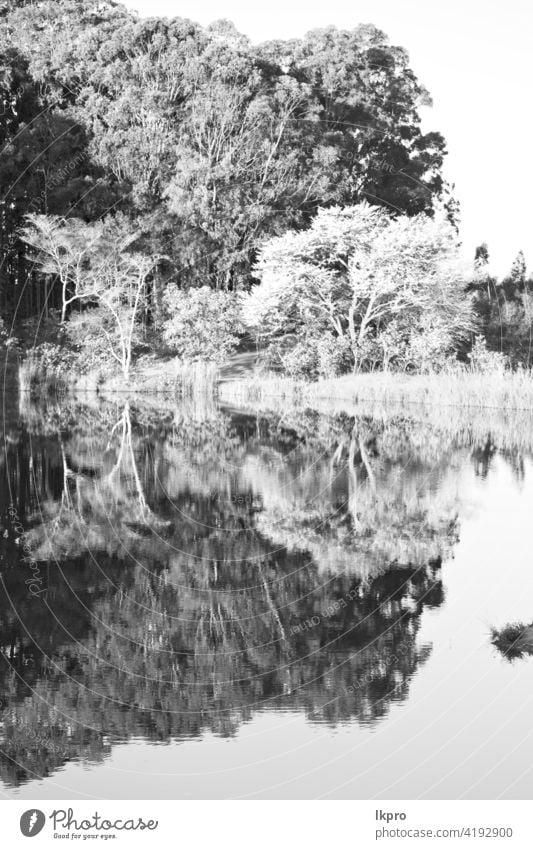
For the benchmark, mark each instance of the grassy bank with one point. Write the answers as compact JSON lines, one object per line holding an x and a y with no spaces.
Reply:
{"x":153,"y":374}
{"x":500,"y":390}
{"x":496,"y":427}
{"x":150,"y":375}
{"x":497,"y":390}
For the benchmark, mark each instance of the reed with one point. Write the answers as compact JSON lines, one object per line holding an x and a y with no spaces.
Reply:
{"x":197,"y":378}
{"x":190,"y":379}
{"x":458,"y":387}
{"x":36,"y":380}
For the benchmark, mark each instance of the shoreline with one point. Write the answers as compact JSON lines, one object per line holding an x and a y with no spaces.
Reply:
{"x":508,"y":391}
{"x":503,"y":391}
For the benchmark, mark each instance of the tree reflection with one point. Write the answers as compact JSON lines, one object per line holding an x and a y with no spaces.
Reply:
{"x":201,"y":569}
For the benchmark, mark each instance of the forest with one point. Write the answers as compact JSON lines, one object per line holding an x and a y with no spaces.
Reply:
{"x":172,"y":193}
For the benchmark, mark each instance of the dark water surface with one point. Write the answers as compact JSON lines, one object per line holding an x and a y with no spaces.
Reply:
{"x":215,"y":603}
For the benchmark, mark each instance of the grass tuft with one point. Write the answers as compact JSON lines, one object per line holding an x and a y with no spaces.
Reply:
{"x":514,"y":640}
{"x":36,"y":380}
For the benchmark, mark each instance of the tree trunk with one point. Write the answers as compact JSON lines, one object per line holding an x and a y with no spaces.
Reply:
{"x":352,"y":333}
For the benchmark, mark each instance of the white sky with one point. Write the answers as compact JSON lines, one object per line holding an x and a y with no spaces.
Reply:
{"x":475,"y":58}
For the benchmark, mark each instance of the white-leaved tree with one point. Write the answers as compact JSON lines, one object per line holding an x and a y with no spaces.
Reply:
{"x":96,"y":265}
{"x":63,"y":248}
{"x":361,"y":286}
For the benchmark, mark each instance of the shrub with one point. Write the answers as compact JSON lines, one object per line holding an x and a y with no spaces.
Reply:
{"x":514,"y":640}
{"x":429,"y":350}
{"x":300,"y":360}
{"x":53,"y":359}
{"x":46,"y":368}
{"x":334,"y":355}
{"x":6,"y":341}
{"x":201,"y":324}
{"x":316,"y":357}
{"x":36,"y":330}
{"x":484,"y":361}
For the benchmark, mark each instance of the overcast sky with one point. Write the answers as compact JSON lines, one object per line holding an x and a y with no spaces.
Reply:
{"x":475,"y":58}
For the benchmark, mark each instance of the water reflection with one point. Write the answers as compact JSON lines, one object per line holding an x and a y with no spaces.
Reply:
{"x":199,"y":565}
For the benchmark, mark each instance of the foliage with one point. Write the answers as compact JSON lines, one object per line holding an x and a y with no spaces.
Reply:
{"x":49,"y":357}
{"x":505,"y":311}
{"x":201,"y":324}
{"x":85,"y":332}
{"x":481,"y":257}
{"x":47,"y":367}
{"x":217,"y":142}
{"x":96,"y":267}
{"x":484,"y":361}
{"x":7,"y":340}
{"x":389,"y":288}
{"x":514,"y":640}
{"x":53,"y":358}
{"x":517,"y":276}
{"x":41,"y":328}
{"x":209,"y":151}
{"x":311,"y":356}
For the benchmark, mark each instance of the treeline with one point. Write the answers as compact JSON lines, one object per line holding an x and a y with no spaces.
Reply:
{"x":207,"y":143}
{"x":505,"y":308}
{"x":169,"y":186}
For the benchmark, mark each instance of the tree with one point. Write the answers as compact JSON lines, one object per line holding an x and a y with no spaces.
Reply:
{"x":505,"y":311}
{"x":239,"y":174}
{"x":410,"y":275}
{"x":46,"y":168}
{"x":121,"y":289}
{"x":222,"y":143}
{"x":63,"y":248}
{"x":367,"y":100}
{"x":481,"y":257}
{"x":201,"y":324}
{"x":517,"y":276}
{"x":96,"y":266}
{"x":366,"y":278}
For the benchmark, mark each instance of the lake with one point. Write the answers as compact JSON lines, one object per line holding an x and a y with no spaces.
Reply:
{"x":205,"y":602}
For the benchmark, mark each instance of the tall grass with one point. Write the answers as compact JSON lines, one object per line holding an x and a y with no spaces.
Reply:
{"x":191,"y":379}
{"x":197,"y":378}
{"x":170,"y":375}
{"x":36,"y":380}
{"x":455,"y":387}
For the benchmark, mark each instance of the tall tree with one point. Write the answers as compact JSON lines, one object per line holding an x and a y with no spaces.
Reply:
{"x":367,"y":279}
{"x":518,"y":274}
{"x":222,"y":144}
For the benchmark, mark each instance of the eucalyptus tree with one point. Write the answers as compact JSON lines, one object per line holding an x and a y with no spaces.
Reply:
{"x":366,"y":106}
{"x":222,"y":143}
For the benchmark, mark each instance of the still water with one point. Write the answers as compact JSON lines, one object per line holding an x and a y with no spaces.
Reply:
{"x":202,"y":602}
